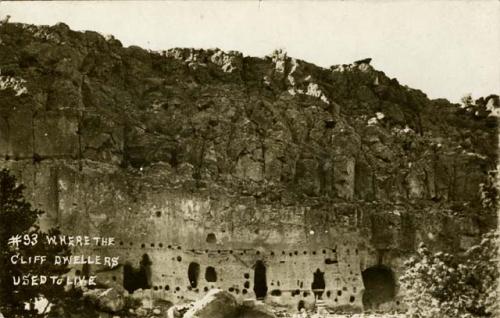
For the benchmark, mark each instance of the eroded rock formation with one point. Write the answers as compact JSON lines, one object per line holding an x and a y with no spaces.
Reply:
{"x":264,"y":172}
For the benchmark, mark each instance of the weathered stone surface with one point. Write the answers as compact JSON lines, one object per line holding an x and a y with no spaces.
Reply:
{"x":215,"y":304}
{"x":56,"y":135}
{"x":16,"y":130}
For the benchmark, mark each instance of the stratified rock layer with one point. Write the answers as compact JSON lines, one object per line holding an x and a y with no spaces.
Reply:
{"x":273,"y":155}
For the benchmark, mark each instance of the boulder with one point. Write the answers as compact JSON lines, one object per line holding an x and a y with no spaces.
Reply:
{"x":141,"y":312}
{"x":143,"y":297}
{"x":109,"y":300}
{"x":215,"y":304}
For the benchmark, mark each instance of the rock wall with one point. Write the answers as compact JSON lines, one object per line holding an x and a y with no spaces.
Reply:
{"x":275,"y":159}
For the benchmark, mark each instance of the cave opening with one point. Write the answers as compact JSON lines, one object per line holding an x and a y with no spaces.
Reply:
{"x":130,"y":282}
{"x":260,"y":280}
{"x":85,"y":270}
{"x":193,"y":274}
{"x":210,"y":274}
{"x":134,"y":279}
{"x":146,"y":271}
{"x":211,"y":239}
{"x":318,"y":285}
{"x":301,"y":305}
{"x":380,"y":286}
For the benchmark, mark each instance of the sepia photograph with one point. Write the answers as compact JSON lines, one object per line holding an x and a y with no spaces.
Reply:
{"x":249,"y":159}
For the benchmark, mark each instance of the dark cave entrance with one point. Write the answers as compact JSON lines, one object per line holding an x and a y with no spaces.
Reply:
{"x":301,"y":305}
{"x":129,"y":280}
{"x":210,"y":274}
{"x":86,"y":270}
{"x":318,"y":285}
{"x":211,"y":238}
{"x":134,"y":279}
{"x":193,"y":274}
{"x":380,"y":286}
{"x":260,"y":281}
{"x":146,"y":271}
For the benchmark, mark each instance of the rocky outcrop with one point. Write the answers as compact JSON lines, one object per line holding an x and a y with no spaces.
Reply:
{"x":93,"y":128}
{"x":108,"y":300}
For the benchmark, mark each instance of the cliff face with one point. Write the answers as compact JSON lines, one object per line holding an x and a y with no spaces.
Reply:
{"x":260,"y":151}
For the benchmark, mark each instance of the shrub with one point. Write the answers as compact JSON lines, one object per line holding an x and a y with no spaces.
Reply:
{"x":444,"y":285}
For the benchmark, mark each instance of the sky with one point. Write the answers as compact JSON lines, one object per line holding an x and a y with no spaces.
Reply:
{"x":445,"y":48}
